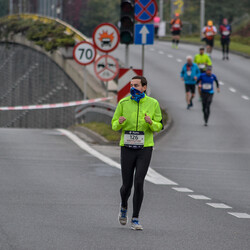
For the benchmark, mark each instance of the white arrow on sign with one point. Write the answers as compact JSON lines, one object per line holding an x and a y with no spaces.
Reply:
{"x":144,"y":31}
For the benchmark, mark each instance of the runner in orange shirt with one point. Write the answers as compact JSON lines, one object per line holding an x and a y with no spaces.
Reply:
{"x":209,"y":33}
{"x":176,"y":25}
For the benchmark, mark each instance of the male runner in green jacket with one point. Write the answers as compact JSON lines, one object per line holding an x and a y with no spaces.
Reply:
{"x":138,"y":116}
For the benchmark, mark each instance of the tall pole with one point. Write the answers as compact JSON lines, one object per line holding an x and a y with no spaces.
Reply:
{"x":20,"y":6}
{"x":142,"y":58}
{"x":11,"y":7}
{"x":161,"y":10}
{"x":127,"y":55}
{"x":202,"y":17}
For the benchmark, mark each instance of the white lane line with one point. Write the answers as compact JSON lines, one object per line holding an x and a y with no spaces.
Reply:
{"x":170,"y":56}
{"x":219,"y":205}
{"x":185,"y":190}
{"x":221,"y":83}
{"x":161,"y":52}
{"x":152,"y":175}
{"x":152,"y":49}
{"x":245,"y":97}
{"x":179,"y":60}
{"x":232,"y":90}
{"x":241,"y":215}
{"x":199,"y":197}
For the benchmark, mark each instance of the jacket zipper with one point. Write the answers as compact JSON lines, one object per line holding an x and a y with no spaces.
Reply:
{"x":137,"y":116}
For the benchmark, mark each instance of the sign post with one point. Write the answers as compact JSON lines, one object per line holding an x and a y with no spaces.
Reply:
{"x":145,"y":11}
{"x":106,"y":69}
{"x":84,"y":53}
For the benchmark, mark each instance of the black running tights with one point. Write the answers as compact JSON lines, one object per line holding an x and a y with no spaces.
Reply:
{"x":134,"y":165}
{"x":225,"y":46}
{"x":206,"y":102}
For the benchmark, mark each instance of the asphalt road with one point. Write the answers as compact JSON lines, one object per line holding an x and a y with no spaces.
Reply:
{"x":54,"y":195}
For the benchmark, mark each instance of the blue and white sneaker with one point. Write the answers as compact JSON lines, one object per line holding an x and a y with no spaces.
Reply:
{"x":135,"y":224}
{"x":122,"y":217}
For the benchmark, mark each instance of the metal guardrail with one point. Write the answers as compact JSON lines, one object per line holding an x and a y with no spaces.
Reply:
{"x":100,"y":111}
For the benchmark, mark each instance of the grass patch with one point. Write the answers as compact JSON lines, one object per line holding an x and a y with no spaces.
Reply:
{"x":234,"y":44}
{"x":164,"y":116}
{"x":104,"y":130}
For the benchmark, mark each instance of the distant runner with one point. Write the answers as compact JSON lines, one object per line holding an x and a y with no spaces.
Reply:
{"x":189,"y":74}
{"x":209,"y":33}
{"x":176,"y":25}
{"x":225,"y":32}
{"x":206,"y":81}
{"x":138,"y":116}
{"x":157,"y":21}
{"x":202,"y":60}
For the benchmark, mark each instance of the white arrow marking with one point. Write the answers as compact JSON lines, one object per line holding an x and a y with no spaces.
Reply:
{"x":144,"y":31}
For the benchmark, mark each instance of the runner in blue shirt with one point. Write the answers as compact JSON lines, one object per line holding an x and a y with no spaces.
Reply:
{"x":189,"y":74}
{"x":206,"y":82}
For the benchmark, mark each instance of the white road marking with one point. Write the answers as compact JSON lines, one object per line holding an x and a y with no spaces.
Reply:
{"x":179,"y":60}
{"x":221,"y":83}
{"x":170,"y":56}
{"x":161,"y":52}
{"x":219,"y":205}
{"x":152,"y":49}
{"x":199,"y":197}
{"x":232,"y":90}
{"x":152,"y":175}
{"x":241,"y":215}
{"x":245,"y":97}
{"x":185,"y":190}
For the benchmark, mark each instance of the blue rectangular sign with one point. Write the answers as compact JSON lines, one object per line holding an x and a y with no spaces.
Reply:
{"x":144,"y":34}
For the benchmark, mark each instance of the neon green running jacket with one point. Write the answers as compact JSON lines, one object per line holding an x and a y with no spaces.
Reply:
{"x":134,"y":113}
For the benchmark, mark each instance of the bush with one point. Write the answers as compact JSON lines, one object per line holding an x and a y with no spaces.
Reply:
{"x":50,"y":36}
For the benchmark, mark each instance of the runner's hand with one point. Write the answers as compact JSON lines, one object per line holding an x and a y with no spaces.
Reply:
{"x":148,"y":119}
{"x":122,"y":119}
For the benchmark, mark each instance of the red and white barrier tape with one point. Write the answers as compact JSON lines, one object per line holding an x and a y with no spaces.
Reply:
{"x":56,"y":105}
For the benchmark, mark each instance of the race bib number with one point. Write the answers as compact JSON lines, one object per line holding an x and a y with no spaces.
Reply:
{"x":189,"y":72}
{"x":210,"y":33}
{"x":134,"y":139}
{"x":207,"y":86}
{"x":176,"y":25}
{"x":202,"y":66}
{"x":225,"y":33}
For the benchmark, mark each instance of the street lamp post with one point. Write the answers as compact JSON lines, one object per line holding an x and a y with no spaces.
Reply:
{"x":11,"y":7}
{"x":161,"y":9}
{"x":202,"y":17}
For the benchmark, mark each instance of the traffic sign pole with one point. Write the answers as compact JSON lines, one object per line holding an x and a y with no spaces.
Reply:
{"x":142,"y":57}
{"x":127,"y":55}
{"x":85,"y":96}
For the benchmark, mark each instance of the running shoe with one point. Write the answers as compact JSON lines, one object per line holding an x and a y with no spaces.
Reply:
{"x":191,"y":103}
{"x":122,"y":217}
{"x":135,"y":224}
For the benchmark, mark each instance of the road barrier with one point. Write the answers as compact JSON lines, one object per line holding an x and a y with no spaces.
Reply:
{"x":55,"y":105}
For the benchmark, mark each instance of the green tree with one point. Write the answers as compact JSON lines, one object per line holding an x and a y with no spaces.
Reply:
{"x":97,"y":12}
{"x":3,"y":7}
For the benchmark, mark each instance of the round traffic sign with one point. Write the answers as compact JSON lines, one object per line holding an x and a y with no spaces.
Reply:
{"x":106,"y":68}
{"x":145,"y":10}
{"x":106,"y":37}
{"x":84,"y":53}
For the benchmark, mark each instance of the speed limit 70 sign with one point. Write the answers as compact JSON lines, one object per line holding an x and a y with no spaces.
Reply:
{"x":84,"y":53}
